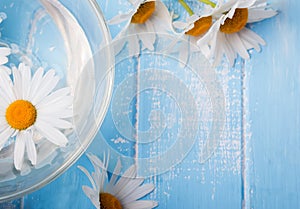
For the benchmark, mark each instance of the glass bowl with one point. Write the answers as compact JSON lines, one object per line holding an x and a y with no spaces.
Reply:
{"x":68,"y":36}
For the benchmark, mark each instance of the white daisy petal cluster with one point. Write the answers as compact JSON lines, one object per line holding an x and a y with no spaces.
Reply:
{"x":122,"y":191}
{"x":145,"y":33}
{"x":4,"y":52}
{"x":30,"y":105}
{"x":189,"y":45}
{"x":215,"y":43}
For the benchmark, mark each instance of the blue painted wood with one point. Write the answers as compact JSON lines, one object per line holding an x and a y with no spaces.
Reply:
{"x":274,"y":111}
{"x":14,"y":204}
{"x":256,"y":163}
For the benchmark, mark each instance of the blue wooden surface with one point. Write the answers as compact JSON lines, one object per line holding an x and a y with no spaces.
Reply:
{"x":274,"y":111}
{"x":256,"y":163}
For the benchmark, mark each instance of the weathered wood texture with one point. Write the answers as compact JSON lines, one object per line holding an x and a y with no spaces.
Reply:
{"x":256,"y":162}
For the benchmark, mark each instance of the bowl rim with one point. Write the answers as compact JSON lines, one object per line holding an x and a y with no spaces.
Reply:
{"x":98,"y":120}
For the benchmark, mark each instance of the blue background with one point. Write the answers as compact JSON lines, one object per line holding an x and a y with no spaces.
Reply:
{"x":257,"y":162}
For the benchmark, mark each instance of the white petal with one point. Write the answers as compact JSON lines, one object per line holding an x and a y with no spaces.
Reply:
{"x":114,"y":176}
{"x":229,"y":52}
{"x":147,"y":39}
{"x":3,"y":123}
{"x":210,"y":36}
{"x":92,"y":195}
{"x":99,"y":177}
{"x":17,"y":83}
{"x":237,"y":45}
{"x":249,"y":45}
{"x":100,"y":169}
{"x":180,"y":25}
{"x":133,"y":2}
{"x":133,"y":45}
{"x":5,"y":51}
{"x":205,"y":50}
{"x":151,"y":30}
{"x":63,"y":103}
{"x":56,"y":97}
{"x":5,"y":69}
{"x":120,"y":18}
{"x":85,"y":171}
{"x":36,"y":82}
{"x":96,"y":161}
{"x":141,"y":204}
{"x":215,"y":44}
{"x":128,"y":176}
{"x":119,"y":45}
{"x":19,"y":151}
{"x":259,"y":15}
{"x":3,"y":60}
{"x":259,"y":3}
{"x":225,"y":7}
{"x":252,"y":37}
{"x":248,"y":41}
{"x":184,"y":54}
{"x":132,"y":185}
{"x":58,"y":113}
{"x":56,"y":122}
{"x":139,"y":193}
{"x":7,"y":88}
{"x":49,"y":83}
{"x":246,"y":3}
{"x":3,"y":108}
{"x":26,"y":81}
{"x":161,"y":18}
{"x":30,"y":148}
{"x":6,"y":101}
{"x":219,"y":49}
{"x":4,"y":135}
{"x":231,"y":12}
{"x":51,"y":133}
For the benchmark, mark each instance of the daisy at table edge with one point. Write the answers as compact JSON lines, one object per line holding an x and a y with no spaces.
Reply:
{"x":142,"y":23}
{"x":229,"y":35}
{"x":120,"y":191}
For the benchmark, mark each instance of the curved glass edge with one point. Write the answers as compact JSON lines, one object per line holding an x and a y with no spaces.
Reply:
{"x":98,"y":119}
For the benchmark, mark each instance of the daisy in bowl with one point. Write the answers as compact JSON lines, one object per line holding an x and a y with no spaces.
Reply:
{"x":120,"y":192}
{"x":29,"y":105}
{"x":145,"y":19}
{"x":229,"y":35}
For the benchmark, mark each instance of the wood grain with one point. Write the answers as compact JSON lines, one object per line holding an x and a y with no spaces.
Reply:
{"x":256,"y":162}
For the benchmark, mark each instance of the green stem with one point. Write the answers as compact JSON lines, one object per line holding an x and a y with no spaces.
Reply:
{"x":186,"y":7}
{"x":208,"y":2}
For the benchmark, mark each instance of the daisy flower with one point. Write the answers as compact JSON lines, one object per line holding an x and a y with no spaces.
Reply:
{"x":195,"y":26}
{"x":120,"y":192}
{"x":29,"y":106}
{"x":145,"y":19}
{"x":191,"y":31}
{"x":229,"y":35}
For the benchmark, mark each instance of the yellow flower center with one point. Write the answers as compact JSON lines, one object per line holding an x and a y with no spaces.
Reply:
{"x":200,"y":26}
{"x":237,"y":22}
{"x":143,"y":13}
{"x":108,"y":201}
{"x":20,"y":114}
